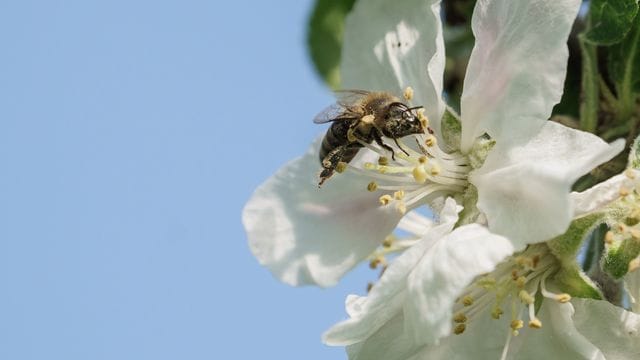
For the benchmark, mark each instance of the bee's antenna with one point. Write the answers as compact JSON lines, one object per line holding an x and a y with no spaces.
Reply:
{"x":415,"y":108}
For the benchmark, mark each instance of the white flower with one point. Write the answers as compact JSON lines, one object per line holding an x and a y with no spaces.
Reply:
{"x":582,"y":329}
{"x":306,"y":235}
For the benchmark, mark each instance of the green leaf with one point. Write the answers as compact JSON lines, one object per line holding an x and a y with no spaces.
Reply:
{"x":610,"y":20}
{"x":324,"y":37}
{"x":590,"y":91}
{"x":624,"y":68}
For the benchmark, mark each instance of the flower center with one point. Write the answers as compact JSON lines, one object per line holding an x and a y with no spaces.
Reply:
{"x":512,"y":286}
{"x":414,"y":176}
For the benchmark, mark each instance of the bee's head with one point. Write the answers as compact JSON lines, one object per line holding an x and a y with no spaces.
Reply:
{"x":400,"y":121}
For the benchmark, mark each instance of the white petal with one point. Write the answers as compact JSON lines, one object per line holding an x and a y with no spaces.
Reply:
{"x":524,"y":190}
{"x":558,"y":338}
{"x":307,"y":235}
{"x":391,"y":45}
{"x":615,"y":331}
{"x":442,"y":275}
{"x":632,"y":286}
{"x":599,"y":195}
{"x":517,"y":68}
{"x":386,"y":298}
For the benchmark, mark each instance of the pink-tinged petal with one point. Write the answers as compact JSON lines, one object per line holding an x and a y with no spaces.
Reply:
{"x":387,"y":297}
{"x":525,"y":190}
{"x":517,"y":67}
{"x":310,"y":235}
{"x":391,"y":45}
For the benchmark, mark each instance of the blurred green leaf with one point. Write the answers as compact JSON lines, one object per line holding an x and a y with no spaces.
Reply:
{"x":324,"y":37}
{"x":610,"y":20}
{"x":624,"y":70}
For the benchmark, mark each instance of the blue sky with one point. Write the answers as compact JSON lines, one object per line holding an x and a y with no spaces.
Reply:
{"x":131,"y":135}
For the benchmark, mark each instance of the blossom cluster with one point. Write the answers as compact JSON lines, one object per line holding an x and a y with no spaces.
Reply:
{"x":492,"y":273}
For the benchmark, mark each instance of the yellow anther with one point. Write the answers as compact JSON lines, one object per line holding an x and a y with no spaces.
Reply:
{"x":563,"y":298}
{"x":608,"y":237}
{"x":535,"y":323}
{"x":369,"y":166}
{"x":460,"y":318}
{"x":424,"y":120}
{"x":368,"y":119}
{"x":385,"y":199}
{"x":408,"y":93}
{"x":515,"y":333}
{"x":373,"y":264}
{"x":521,"y":281}
{"x":459,"y":329}
{"x":496,"y":312}
{"x":383,"y":160}
{"x":430,"y":141}
{"x":382,"y":169}
{"x":398,"y":195}
{"x":517,"y":324}
{"x":373,"y":186}
{"x":420,"y":174}
{"x":388,"y":241}
{"x":525,"y":297}
{"x":401,"y":207}
{"x":435,"y":169}
{"x":423,"y":159}
{"x":467,"y":300}
{"x":341,"y":167}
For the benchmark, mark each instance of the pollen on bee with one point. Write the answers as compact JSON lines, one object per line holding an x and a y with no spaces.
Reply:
{"x":341,"y":167}
{"x":408,"y":93}
{"x":350,"y":136}
{"x":367,"y":119}
{"x":385,"y":199}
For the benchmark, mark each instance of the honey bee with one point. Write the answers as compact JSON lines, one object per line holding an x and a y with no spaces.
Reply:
{"x":363,"y":117}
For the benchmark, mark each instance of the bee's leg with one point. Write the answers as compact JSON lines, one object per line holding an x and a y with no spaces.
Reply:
{"x":330,"y":162}
{"x":378,"y":139}
{"x":400,"y":147}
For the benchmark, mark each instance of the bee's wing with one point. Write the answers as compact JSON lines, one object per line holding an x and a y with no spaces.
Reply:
{"x":342,"y":109}
{"x":332,"y":113}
